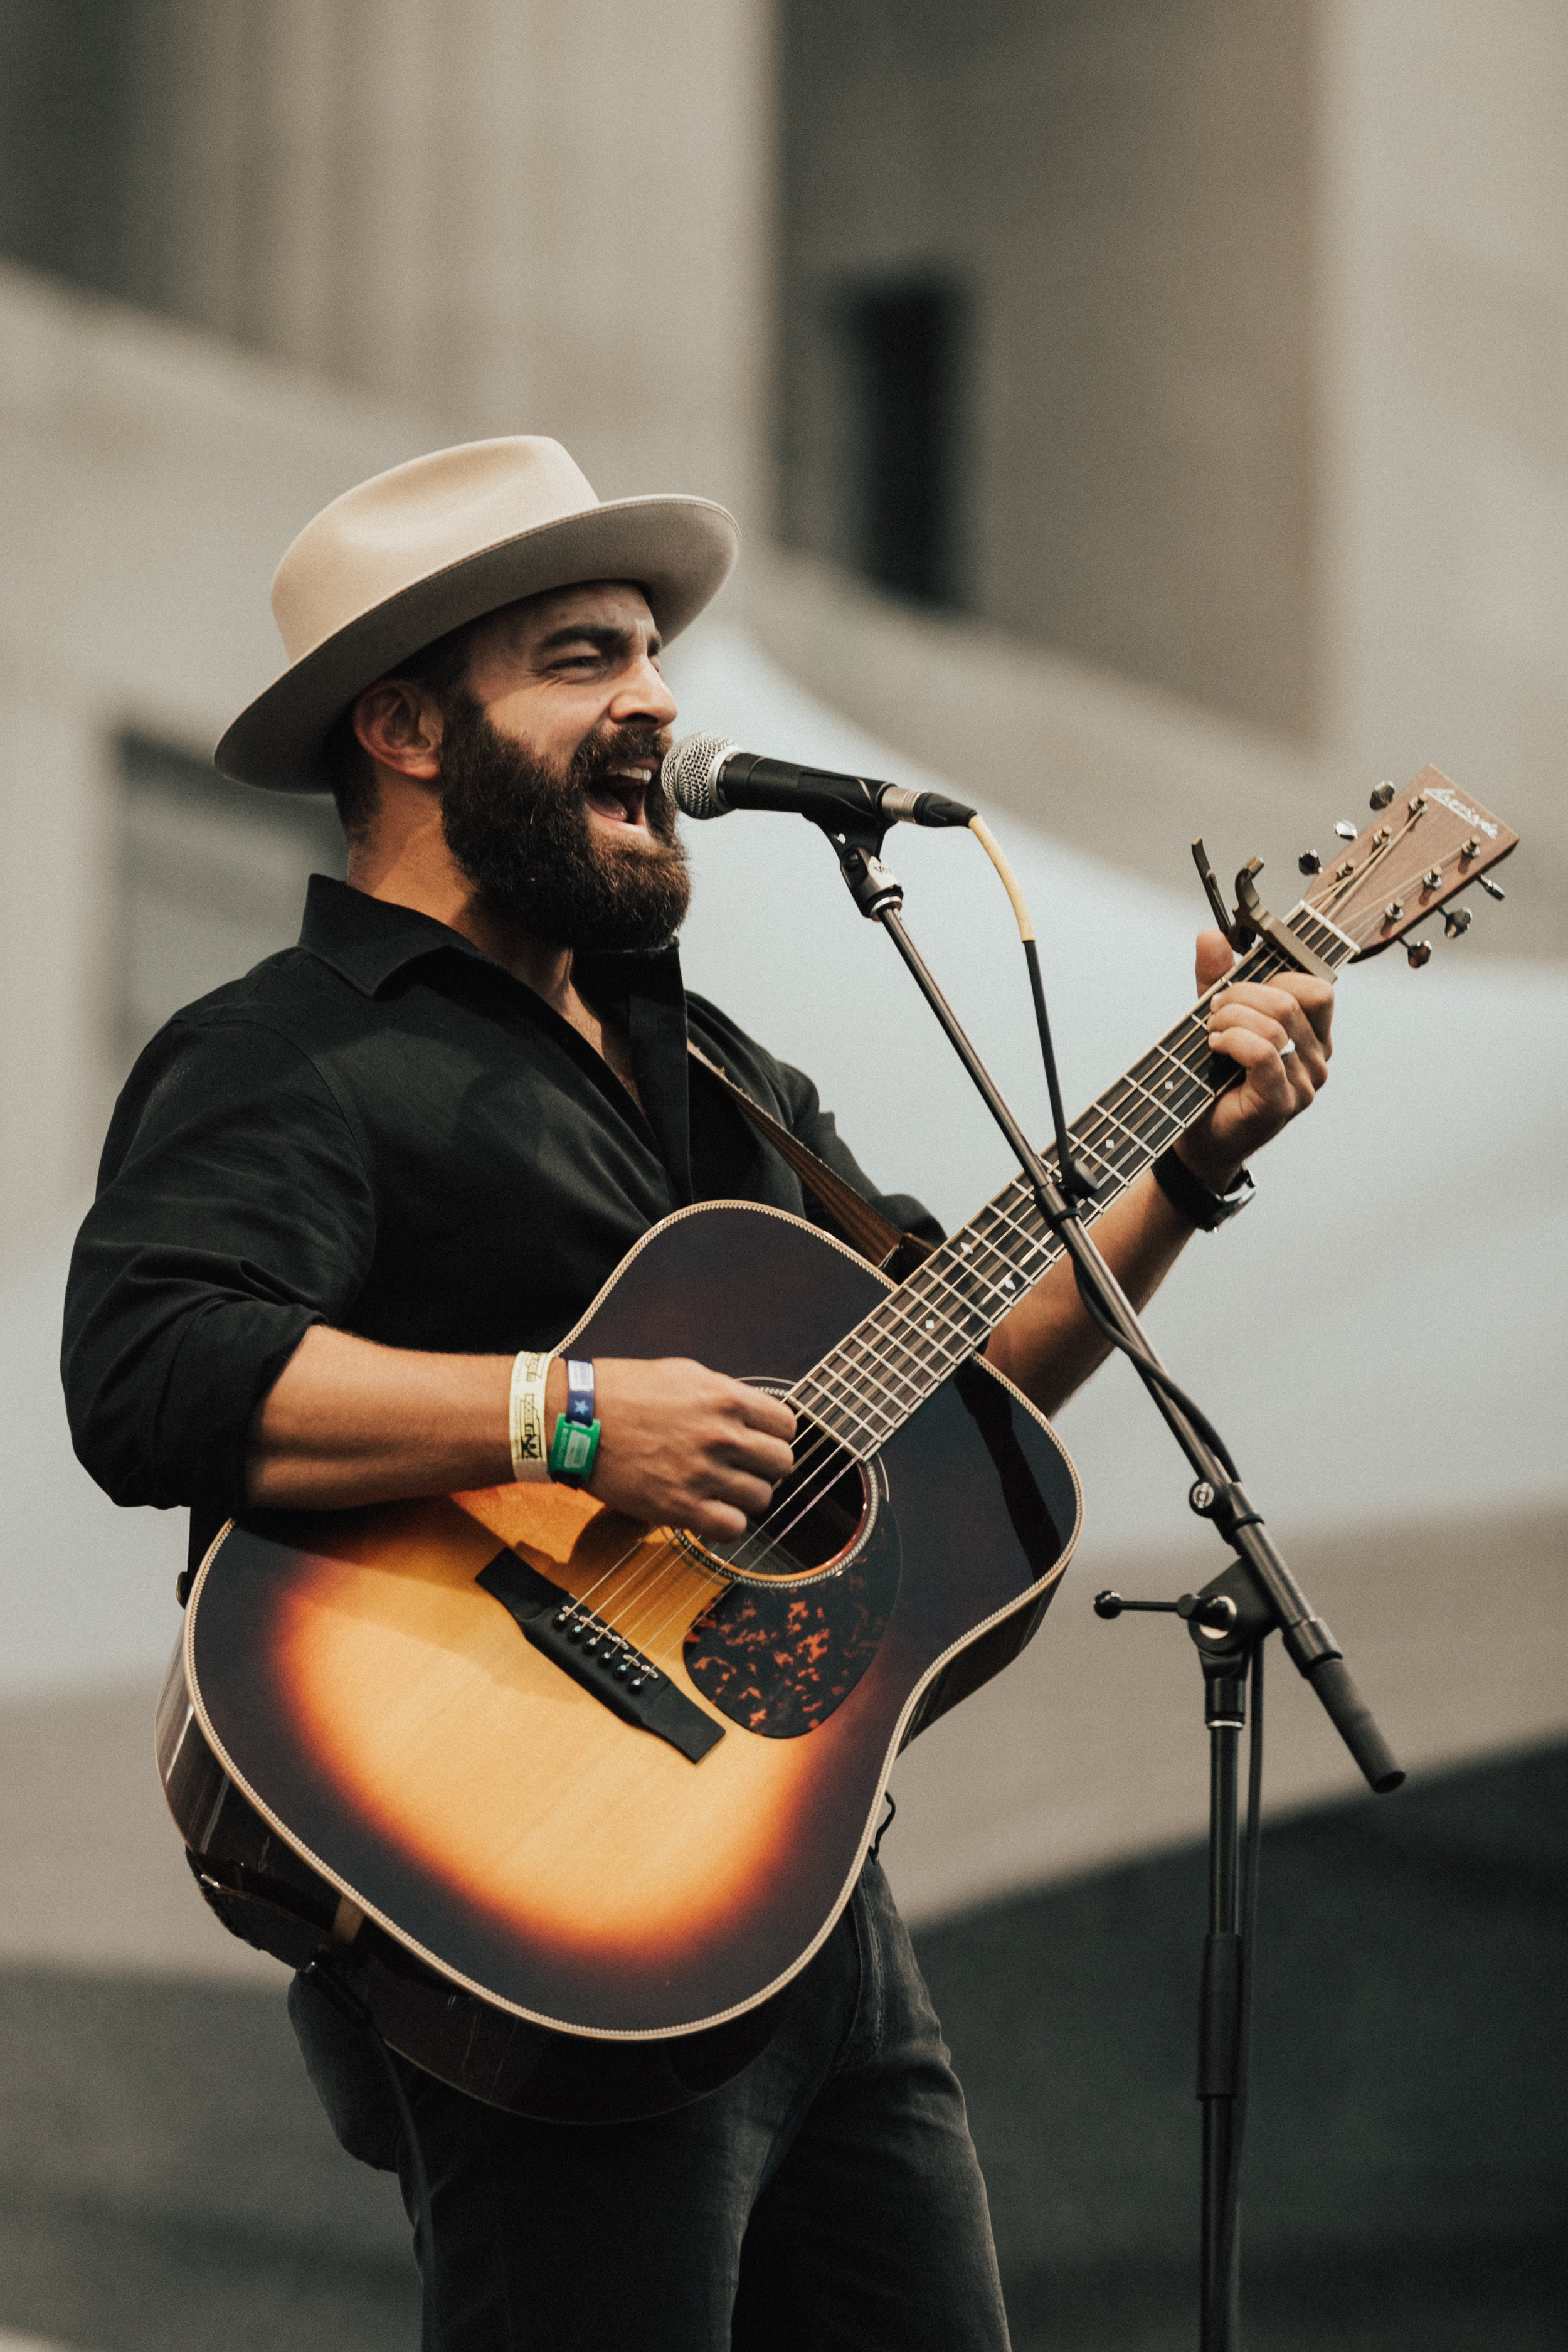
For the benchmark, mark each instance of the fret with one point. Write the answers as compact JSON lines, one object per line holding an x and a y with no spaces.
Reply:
{"x":912,"y":1341}
{"x":1159,"y":1109}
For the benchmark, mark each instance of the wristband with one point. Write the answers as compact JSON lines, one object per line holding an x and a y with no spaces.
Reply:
{"x":1191,"y":1197}
{"x":580,"y":1392}
{"x":573,"y":1450}
{"x":529,"y":1455}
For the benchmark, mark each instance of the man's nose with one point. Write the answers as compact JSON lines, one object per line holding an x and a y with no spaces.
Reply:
{"x":643,"y":694}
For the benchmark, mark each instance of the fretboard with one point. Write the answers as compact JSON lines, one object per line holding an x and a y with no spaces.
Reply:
{"x":886,"y":1367}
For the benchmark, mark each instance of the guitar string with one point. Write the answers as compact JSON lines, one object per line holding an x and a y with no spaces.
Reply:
{"x":1034,"y":1250}
{"x":1108,"y":1110}
{"x":1100,"y":1119}
{"x":631,"y":1632}
{"x":1150,"y":1108}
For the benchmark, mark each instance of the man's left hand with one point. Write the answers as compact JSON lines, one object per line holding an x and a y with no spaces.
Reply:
{"x":1277,"y":1035}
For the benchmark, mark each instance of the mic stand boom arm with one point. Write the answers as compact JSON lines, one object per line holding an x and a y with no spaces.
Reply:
{"x":1275,"y":1598}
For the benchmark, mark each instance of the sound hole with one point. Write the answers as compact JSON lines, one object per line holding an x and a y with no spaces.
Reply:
{"x":820,"y":1518}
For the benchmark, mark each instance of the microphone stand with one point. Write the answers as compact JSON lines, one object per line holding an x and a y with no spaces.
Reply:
{"x":1229,"y":1620}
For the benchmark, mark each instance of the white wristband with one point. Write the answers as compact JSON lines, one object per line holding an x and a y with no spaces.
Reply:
{"x":530,"y":1452}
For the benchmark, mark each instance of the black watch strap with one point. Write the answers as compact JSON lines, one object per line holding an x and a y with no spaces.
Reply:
{"x":1191,"y":1197}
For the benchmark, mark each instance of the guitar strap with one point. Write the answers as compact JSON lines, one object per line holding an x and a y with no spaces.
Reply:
{"x":890,"y":1249}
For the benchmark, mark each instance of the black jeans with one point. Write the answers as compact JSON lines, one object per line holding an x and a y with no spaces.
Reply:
{"x":827,"y":2200}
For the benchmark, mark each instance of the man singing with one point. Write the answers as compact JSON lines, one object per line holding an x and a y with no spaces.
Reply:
{"x":341,"y":1195}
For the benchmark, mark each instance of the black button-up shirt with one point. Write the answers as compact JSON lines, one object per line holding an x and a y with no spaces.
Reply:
{"x":381,"y":1130}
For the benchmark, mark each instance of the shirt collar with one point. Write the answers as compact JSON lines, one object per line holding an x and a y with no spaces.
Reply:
{"x":368,"y":939}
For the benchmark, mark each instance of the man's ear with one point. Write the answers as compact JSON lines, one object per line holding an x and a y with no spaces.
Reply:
{"x":400,"y":726}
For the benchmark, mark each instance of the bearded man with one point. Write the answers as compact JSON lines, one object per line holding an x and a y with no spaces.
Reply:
{"x":341,"y":1195}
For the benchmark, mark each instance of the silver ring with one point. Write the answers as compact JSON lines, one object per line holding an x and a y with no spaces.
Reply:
{"x":1287,"y":1049}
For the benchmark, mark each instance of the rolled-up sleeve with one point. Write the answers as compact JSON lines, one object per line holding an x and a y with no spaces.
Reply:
{"x":234,"y":1210}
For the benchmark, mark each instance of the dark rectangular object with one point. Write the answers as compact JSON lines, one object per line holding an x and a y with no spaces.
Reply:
{"x":907,"y":341}
{"x":658,"y":1706}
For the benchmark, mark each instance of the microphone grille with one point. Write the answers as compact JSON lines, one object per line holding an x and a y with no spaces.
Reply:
{"x":690,"y":774}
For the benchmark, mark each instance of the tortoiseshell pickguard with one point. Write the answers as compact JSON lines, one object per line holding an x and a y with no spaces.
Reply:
{"x":779,"y":1661}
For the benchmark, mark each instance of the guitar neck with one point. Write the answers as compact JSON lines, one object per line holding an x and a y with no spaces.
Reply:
{"x":885,"y":1368}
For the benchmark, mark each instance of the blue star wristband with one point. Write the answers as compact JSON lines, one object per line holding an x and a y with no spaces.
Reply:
{"x":580,"y":1394}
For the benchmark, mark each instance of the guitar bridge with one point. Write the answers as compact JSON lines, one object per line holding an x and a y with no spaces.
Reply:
{"x":598,"y":1658}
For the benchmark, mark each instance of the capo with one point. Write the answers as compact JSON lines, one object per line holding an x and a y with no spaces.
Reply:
{"x":1252,"y":919}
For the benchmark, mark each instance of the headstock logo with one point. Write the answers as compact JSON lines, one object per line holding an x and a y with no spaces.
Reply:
{"x":1461,"y":808}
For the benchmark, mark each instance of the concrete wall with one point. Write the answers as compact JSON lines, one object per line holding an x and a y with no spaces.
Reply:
{"x":153,"y":478}
{"x":1125,"y":192}
{"x":1424,"y":139}
{"x":1445,"y":334}
{"x":474,"y":207}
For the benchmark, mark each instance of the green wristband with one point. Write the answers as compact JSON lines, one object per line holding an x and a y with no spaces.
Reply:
{"x":573,"y":1450}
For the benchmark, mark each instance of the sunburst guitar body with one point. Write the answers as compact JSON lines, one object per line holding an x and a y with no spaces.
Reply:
{"x":573,"y":1801}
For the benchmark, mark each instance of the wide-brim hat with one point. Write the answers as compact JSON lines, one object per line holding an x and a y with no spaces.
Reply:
{"x":401,"y":559}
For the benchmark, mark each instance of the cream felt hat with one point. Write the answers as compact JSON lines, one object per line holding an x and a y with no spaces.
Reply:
{"x":418,"y":550}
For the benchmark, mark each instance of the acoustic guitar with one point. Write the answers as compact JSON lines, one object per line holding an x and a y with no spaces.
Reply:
{"x":572,"y":1800}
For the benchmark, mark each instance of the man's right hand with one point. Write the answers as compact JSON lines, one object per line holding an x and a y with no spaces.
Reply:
{"x":683,"y":1446}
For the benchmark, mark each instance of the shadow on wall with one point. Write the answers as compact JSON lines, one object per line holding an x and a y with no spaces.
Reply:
{"x":168,"y":2185}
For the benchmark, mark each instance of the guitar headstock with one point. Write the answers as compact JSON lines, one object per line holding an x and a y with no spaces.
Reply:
{"x":1423,"y":847}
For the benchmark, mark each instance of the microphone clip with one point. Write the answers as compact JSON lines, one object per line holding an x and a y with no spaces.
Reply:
{"x":857,"y":844}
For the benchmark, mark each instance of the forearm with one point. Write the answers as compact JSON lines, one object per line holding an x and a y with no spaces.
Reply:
{"x":1048,"y":1344}
{"x":348,"y":1422}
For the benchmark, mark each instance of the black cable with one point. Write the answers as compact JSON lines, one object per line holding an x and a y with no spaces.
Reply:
{"x":1155,"y":1375}
{"x":1076,"y":1189}
{"x":1075,"y":1186}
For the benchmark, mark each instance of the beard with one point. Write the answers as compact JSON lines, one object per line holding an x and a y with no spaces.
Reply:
{"x":521,"y":832}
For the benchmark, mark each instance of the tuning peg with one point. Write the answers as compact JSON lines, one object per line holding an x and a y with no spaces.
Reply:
{"x":1491,"y":889}
{"x":1346,"y":831}
{"x":1309,"y":862}
{"x":1379,"y":796}
{"x":1417,"y":953}
{"x":1456,"y":922}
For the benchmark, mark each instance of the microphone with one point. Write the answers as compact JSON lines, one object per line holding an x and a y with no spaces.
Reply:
{"x":707,"y":775}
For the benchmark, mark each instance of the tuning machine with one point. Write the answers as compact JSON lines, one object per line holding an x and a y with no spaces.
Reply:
{"x":1492,"y":889}
{"x":1308,"y":862}
{"x":1417,"y":953}
{"x":1379,"y":796}
{"x":1456,"y":922}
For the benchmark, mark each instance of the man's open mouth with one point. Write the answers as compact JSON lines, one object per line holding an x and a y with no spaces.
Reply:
{"x":620,"y":795}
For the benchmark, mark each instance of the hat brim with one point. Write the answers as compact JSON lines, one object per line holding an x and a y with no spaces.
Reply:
{"x":678,"y":551}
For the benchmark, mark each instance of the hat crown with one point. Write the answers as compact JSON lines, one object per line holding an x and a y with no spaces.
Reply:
{"x":405,"y":525}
